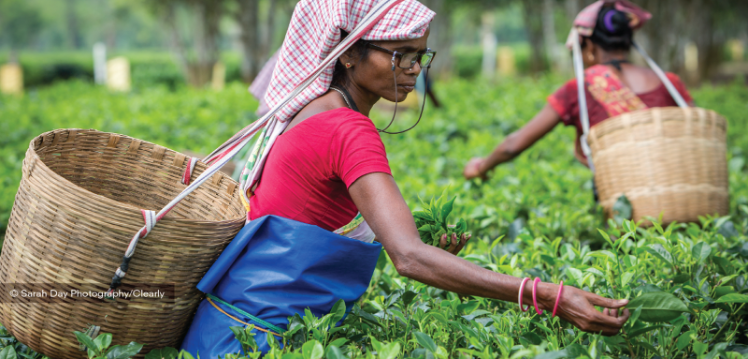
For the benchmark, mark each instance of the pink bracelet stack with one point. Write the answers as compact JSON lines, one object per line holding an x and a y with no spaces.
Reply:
{"x":535,"y":298}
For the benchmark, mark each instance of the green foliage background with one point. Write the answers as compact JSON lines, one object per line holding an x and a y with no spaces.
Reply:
{"x":535,"y":216}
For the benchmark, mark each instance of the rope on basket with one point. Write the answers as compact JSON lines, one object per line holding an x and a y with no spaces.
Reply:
{"x":223,"y":154}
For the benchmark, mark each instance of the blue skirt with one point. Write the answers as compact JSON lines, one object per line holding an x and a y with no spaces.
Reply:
{"x":274,"y":268}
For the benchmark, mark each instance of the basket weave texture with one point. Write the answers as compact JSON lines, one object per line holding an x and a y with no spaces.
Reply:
{"x":75,"y":212}
{"x":667,"y":160}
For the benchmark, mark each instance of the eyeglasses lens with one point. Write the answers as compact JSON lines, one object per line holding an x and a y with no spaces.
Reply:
{"x":409,"y":59}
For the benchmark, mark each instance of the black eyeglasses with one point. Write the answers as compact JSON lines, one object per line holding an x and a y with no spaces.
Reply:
{"x":408,"y":59}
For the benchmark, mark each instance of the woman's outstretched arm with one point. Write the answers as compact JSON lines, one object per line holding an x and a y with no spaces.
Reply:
{"x":380,"y":202}
{"x":515,"y":143}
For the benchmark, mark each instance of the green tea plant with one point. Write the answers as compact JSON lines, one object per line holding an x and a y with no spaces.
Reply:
{"x":101,"y":347}
{"x":432,"y":223}
{"x":535,"y":216}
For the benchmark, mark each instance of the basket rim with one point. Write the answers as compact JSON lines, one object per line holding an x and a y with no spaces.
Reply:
{"x":666,"y":108}
{"x":108,"y":201}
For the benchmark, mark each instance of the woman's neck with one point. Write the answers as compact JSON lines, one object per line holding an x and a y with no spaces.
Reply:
{"x":605,"y":56}
{"x":363,"y":98}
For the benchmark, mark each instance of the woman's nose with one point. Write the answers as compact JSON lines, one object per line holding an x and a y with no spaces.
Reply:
{"x":415,"y":69}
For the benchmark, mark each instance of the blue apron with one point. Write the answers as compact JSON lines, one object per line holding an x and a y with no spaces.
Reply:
{"x":274,"y":268}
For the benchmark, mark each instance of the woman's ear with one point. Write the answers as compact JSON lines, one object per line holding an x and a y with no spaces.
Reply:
{"x":588,"y":53}
{"x":347,"y":59}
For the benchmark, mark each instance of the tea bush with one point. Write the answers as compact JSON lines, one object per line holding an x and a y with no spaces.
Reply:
{"x":534,"y":217}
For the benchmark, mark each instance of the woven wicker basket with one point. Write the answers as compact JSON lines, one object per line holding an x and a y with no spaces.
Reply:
{"x":77,"y":208}
{"x":667,"y":160}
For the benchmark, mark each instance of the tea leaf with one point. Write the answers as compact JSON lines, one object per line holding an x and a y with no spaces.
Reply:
{"x":622,"y":209}
{"x":124,"y":351}
{"x":732,"y":298}
{"x":84,"y":339}
{"x":660,"y":252}
{"x":639,"y":332}
{"x":390,"y":351}
{"x":337,"y":311}
{"x":558,"y":354}
{"x":164,"y":353}
{"x":447,"y":208}
{"x":8,"y":353}
{"x":312,"y":350}
{"x":658,"y":306}
{"x":103,"y":341}
{"x":425,"y":341}
{"x":701,"y":251}
{"x":333,"y":352}
{"x":339,"y":342}
{"x":576,"y":351}
{"x":408,"y":297}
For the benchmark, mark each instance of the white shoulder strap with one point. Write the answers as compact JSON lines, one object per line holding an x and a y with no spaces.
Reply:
{"x":584,"y":116}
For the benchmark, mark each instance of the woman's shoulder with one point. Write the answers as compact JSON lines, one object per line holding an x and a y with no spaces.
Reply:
{"x":346,"y":120}
{"x":674,"y":78}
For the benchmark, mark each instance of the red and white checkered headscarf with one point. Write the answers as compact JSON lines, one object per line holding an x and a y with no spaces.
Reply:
{"x":315,"y":31}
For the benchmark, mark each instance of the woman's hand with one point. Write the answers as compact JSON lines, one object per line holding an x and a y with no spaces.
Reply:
{"x":473,"y":169}
{"x":455,"y":246}
{"x":578,"y":308}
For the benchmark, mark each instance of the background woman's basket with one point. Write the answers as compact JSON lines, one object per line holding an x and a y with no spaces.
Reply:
{"x":77,"y":208}
{"x":667,"y":160}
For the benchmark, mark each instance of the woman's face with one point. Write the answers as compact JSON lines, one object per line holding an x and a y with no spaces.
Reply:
{"x":374,"y":73}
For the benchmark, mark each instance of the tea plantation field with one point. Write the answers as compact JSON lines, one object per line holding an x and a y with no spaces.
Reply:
{"x":534,"y":217}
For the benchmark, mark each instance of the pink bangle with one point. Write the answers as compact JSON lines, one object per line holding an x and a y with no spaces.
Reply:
{"x":534,"y":297}
{"x":558,"y":298}
{"x":521,"y":290}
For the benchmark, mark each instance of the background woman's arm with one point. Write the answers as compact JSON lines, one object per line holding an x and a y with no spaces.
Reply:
{"x":380,"y":202}
{"x":515,"y":143}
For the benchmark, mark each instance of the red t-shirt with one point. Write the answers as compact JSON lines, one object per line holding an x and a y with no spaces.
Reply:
{"x":310,"y":167}
{"x":565,"y":101}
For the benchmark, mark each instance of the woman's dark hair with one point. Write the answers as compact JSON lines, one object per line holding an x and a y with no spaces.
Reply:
{"x":339,"y":75}
{"x":612,"y":30}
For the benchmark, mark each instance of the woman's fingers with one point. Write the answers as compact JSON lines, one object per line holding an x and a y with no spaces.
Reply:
{"x":461,"y":243}
{"x":443,"y":242}
{"x":611,"y":312}
{"x":606,"y":302}
{"x":472,"y":168}
{"x":452,"y":244}
{"x":463,"y":239}
{"x":610,"y":322}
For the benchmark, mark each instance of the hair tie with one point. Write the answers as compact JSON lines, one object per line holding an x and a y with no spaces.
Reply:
{"x":608,"y":20}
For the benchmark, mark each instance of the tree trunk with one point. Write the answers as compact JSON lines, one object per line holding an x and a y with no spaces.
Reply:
{"x":74,"y":37}
{"x":250,"y":38}
{"x":268,"y":33}
{"x":549,"y":33}
{"x":440,"y":38}
{"x":207,"y":21}
{"x":533,"y":17}
{"x":175,"y":41}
